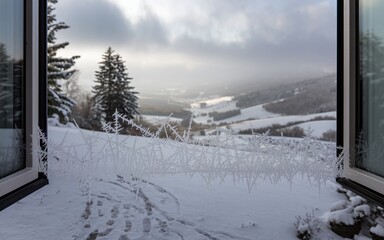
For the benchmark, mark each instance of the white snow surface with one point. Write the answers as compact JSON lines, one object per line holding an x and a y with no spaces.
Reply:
{"x":345,"y":216}
{"x":82,"y":204}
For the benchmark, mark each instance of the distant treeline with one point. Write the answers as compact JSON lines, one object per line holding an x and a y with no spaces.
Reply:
{"x":276,"y":130}
{"x":307,"y":102}
{"x":217,"y":116}
{"x":269,"y":95}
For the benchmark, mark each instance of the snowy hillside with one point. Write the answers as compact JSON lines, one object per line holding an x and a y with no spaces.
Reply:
{"x":202,"y":108}
{"x":211,"y":111}
{"x":108,"y":186}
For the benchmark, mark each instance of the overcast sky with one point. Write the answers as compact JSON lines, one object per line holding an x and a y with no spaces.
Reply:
{"x":168,"y":43}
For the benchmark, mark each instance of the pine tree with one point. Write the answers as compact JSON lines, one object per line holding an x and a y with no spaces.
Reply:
{"x":127,"y":94}
{"x":112,"y":90}
{"x":59,"y":69}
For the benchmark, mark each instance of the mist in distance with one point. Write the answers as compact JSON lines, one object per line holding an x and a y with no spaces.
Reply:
{"x":200,"y":45}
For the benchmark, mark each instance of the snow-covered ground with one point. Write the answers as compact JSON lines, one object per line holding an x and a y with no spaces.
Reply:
{"x":168,"y":207}
{"x":255,"y":112}
{"x":195,"y":203}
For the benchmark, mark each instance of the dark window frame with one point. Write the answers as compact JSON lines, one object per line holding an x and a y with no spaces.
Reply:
{"x":349,"y":116}
{"x":41,"y":179}
{"x":340,"y":77}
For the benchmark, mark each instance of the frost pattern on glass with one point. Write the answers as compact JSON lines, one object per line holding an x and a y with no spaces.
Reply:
{"x":226,"y":155}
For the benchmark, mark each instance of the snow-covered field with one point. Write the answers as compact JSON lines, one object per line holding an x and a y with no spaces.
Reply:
{"x":255,"y":112}
{"x":282,"y":120}
{"x":195,"y":203}
{"x":224,"y":104}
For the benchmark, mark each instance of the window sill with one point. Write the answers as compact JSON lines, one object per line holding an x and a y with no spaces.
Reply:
{"x":22,"y":192}
{"x":369,"y":194}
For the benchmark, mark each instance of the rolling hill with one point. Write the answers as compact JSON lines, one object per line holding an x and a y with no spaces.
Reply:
{"x":306,"y":97}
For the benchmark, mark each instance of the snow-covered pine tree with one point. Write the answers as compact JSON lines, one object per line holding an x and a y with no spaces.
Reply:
{"x":112,"y":90}
{"x":127,"y":94}
{"x":103,"y":87}
{"x":59,"y":68}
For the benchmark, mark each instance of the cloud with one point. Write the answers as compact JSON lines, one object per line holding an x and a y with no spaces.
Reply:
{"x":274,"y":32}
{"x":149,"y":30}
{"x":209,"y":26}
{"x":93,"y":22}
{"x":100,"y":22}
{"x":246,"y":36}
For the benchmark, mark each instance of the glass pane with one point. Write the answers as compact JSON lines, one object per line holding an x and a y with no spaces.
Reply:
{"x":371,"y":86}
{"x":11,"y":86}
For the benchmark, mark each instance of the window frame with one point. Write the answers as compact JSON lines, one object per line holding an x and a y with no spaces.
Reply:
{"x":363,"y":182}
{"x":27,"y":180}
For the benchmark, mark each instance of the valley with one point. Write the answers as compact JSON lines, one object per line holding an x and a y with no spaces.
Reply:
{"x":305,"y":108}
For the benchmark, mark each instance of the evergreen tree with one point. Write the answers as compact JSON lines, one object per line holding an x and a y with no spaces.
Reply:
{"x":127,"y":94}
{"x":59,"y":69}
{"x":112,"y":90}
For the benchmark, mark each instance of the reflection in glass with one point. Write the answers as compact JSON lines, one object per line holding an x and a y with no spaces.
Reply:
{"x":11,"y":86}
{"x":371,"y":87}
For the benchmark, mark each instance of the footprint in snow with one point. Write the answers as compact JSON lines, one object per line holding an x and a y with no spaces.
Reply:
{"x":146,"y":225}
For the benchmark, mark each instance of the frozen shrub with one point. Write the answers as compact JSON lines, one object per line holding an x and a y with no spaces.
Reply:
{"x":329,"y":135}
{"x":307,"y":227}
